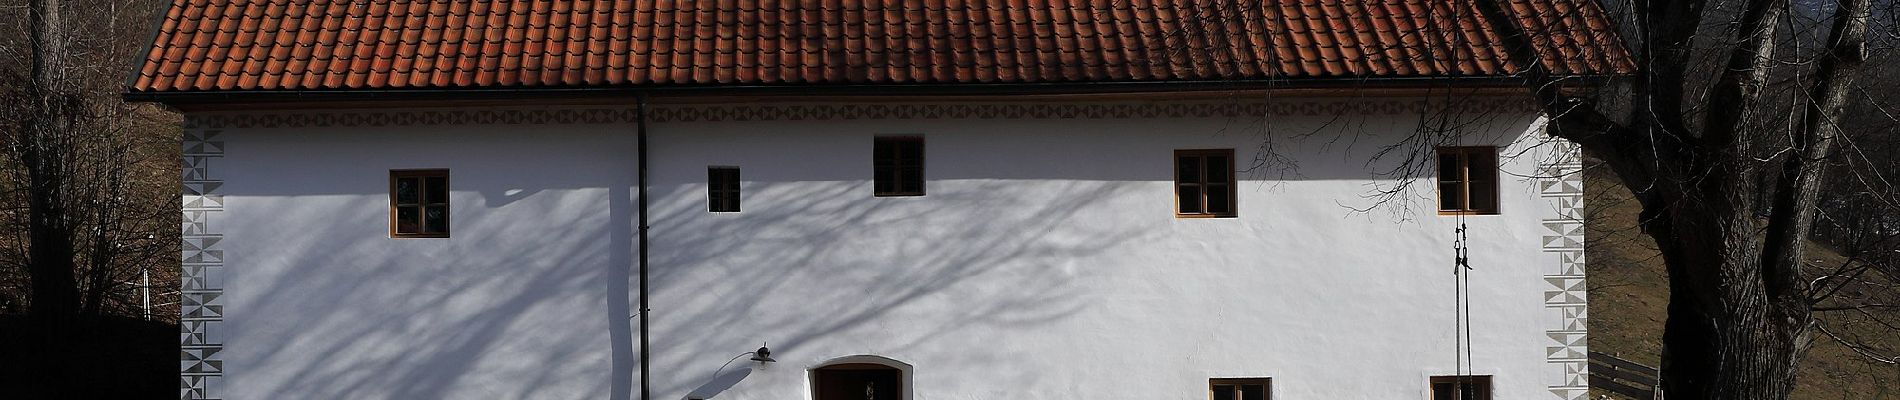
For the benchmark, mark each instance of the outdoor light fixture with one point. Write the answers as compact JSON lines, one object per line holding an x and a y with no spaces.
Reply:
{"x":722,"y":380}
{"x":763,"y":355}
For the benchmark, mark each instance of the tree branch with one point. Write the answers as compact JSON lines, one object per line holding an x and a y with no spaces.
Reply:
{"x":1792,"y":215}
{"x":1629,"y":150}
{"x":1856,"y":307}
{"x":1857,"y":347}
{"x":1738,"y":88}
{"x":1668,"y":30}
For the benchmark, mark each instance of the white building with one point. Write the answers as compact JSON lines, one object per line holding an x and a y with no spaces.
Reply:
{"x":963,"y":200}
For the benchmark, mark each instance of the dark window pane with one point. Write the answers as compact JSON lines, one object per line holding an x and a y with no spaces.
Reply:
{"x":722,"y":189}
{"x":899,"y":167}
{"x":1188,"y":197}
{"x":716,"y":201}
{"x":1448,"y":194}
{"x":1218,"y":169}
{"x":1224,"y":392}
{"x":1253,"y":392}
{"x":436,"y":219}
{"x":1482,"y":164}
{"x":407,"y":192}
{"x":1217,"y":199}
{"x":1484,"y":196}
{"x":882,"y":152}
{"x":1444,"y":391}
{"x":1187,"y":169}
{"x":912,"y":153}
{"x":912,"y":180}
{"x":435,"y":189}
{"x":408,"y":219}
{"x":1448,"y":170}
{"x":886,"y":180}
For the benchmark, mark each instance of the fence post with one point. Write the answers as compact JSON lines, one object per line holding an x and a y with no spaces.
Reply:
{"x":145,"y":291}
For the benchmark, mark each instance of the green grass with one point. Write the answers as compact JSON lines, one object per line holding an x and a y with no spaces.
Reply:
{"x":1629,"y":293}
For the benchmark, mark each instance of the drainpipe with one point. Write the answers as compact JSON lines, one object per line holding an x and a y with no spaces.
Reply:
{"x":641,"y":124}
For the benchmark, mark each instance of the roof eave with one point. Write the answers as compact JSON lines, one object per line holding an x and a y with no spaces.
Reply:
{"x":203,"y":98}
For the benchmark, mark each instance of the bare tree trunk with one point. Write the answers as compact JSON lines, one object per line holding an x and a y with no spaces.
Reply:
{"x":1802,"y":175}
{"x":1740,"y":316}
{"x":1774,"y":320}
{"x":50,"y":255}
{"x":1723,"y":338}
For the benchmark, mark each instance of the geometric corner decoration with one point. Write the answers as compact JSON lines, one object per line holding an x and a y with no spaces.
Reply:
{"x":1560,"y":183}
{"x":201,"y":307}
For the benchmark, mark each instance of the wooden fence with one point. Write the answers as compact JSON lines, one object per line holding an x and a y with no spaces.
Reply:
{"x":1623,"y":377}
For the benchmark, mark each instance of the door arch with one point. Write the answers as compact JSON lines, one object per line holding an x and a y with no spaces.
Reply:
{"x":862,"y":377}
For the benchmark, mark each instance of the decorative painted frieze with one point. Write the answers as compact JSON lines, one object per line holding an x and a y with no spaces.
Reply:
{"x":822,"y":112}
{"x":201,"y":286}
{"x":1560,"y":182}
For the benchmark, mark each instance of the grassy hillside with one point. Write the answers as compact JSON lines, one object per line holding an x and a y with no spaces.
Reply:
{"x":1629,"y":293}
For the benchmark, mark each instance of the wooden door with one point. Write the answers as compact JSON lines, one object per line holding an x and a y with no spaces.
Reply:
{"x":858,"y":382}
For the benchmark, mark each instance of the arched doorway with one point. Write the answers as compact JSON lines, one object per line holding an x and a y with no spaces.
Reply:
{"x":861,"y":378}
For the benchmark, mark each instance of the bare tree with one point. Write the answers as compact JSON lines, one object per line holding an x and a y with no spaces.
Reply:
{"x":49,"y":256}
{"x":88,"y":180}
{"x":1730,"y":185}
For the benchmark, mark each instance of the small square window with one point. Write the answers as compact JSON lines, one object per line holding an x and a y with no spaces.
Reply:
{"x":1204,"y":183}
{"x":1468,"y":180}
{"x":722,"y":189}
{"x":1239,"y":389}
{"x":1461,"y":387}
{"x":898,"y":166}
{"x":419,"y":203}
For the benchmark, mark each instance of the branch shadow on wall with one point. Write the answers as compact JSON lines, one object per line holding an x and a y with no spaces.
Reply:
{"x":350,"y":314}
{"x":823,"y":261}
{"x":815,"y":262}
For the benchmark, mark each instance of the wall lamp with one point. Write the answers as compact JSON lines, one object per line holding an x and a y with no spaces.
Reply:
{"x":722,"y":380}
{"x":763,"y":355}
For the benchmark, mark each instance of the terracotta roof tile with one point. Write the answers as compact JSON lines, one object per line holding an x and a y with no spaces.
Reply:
{"x":239,"y":45}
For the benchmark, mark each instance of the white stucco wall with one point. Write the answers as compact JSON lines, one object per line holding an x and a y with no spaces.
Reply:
{"x":1045,"y":261}
{"x":528,"y":297}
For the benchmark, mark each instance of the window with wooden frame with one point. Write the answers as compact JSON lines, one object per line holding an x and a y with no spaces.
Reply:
{"x":1239,"y":389}
{"x":1204,"y":183}
{"x":722,"y":189}
{"x":1461,"y":387}
{"x":419,"y":203}
{"x":898,"y":165}
{"x":1468,"y":180}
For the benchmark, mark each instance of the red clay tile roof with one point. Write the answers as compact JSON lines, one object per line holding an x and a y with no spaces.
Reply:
{"x":275,"y":45}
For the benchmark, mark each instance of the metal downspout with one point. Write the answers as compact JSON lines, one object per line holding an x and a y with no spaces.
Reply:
{"x":641,"y":124}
